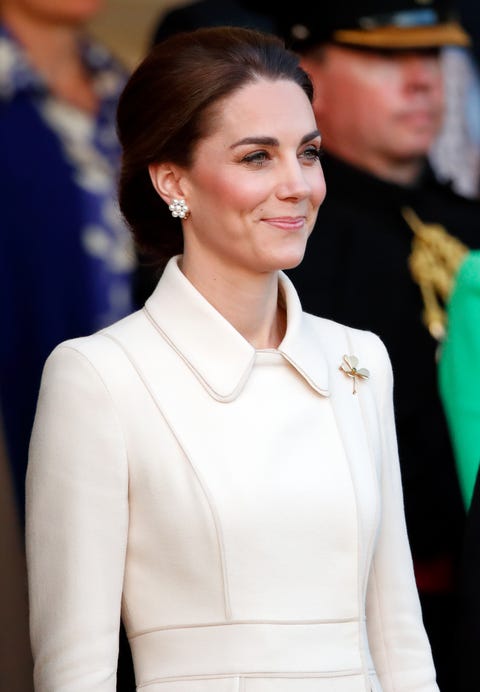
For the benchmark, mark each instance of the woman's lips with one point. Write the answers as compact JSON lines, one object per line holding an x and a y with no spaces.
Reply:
{"x":293,"y":223}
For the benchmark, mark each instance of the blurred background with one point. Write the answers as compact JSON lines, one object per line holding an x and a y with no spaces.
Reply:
{"x":125,"y":26}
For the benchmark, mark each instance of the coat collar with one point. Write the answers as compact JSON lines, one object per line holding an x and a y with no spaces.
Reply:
{"x":213,"y":349}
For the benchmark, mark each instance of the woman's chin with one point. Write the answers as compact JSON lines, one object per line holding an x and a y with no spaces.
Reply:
{"x":293,"y":260}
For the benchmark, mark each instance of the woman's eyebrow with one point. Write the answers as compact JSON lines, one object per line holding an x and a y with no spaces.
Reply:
{"x":266,"y":141}
{"x":271,"y":141}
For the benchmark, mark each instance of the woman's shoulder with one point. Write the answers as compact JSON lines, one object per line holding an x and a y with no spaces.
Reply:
{"x":338,"y":330}
{"x":338,"y":340}
{"x":102,"y":345}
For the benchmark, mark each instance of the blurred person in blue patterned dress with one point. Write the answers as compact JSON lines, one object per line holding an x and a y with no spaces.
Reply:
{"x":66,"y":260}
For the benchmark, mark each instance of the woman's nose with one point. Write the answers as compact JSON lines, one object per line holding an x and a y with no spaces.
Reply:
{"x":294,"y":181}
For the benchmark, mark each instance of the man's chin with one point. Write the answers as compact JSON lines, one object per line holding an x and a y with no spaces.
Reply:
{"x":415,"y":147}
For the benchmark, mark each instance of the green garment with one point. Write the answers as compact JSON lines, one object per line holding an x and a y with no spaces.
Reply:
{"x":459,"y":372}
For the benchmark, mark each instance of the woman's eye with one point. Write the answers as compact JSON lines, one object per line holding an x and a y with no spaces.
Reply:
{"x":312,"y":153}
{"x":256,"y":157}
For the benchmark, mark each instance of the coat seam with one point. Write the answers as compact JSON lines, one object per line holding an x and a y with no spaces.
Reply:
{"x":189,"y":458}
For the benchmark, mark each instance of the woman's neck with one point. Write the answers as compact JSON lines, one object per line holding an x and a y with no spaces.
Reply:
{"x":249,"y":302}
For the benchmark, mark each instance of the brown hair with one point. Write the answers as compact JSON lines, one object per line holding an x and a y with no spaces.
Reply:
{"x":168,"y":105}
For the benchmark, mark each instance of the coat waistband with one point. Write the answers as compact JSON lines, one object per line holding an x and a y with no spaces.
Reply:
{"x":248,"y":648}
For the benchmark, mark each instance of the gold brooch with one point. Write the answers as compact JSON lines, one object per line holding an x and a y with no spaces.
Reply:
{"x":350,"y":368}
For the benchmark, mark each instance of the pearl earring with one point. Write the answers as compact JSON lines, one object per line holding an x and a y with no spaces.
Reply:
{"x":179,"y":208}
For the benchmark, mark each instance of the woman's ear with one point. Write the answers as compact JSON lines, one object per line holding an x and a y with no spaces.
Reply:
{"x":165,"y":180}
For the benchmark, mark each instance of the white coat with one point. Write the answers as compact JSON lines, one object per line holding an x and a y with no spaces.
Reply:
{"x":242,"y":509}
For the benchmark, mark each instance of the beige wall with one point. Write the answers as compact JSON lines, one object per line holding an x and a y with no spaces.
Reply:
{"x":125,"y":26}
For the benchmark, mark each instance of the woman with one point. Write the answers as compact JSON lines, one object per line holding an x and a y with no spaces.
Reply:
{"x":220,"y":468}
{"x":66,"y":258}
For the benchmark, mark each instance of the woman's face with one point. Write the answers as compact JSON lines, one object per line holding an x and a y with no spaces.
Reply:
{"x":256,"y":182}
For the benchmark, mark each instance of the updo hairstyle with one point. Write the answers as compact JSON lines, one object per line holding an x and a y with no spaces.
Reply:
{"x":171,"y":101}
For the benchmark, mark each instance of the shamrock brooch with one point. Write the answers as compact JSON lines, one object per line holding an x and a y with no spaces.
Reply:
{"x":350,"y":368}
